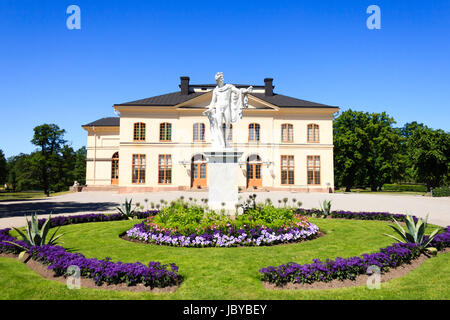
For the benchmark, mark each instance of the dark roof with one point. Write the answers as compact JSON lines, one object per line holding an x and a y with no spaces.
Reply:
{"x":214,"y":85}
{"x":175,"y":98}
{"x":170,"y":99}
{"x":288,"y":102}
{"x":105,"y":122}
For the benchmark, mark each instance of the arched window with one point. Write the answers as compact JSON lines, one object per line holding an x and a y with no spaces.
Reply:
{"x":230,"y":133}
{"x":199,"y":132}
{"x":165,"y":131}
{"x":313,"y":133}
{"x":139,"y":131}
{"x":287,"y":132}
{"x":254,"y":132}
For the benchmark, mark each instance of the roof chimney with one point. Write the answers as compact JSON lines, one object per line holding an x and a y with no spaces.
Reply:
{"x":184,"y":85}
{"x":268,"y":88}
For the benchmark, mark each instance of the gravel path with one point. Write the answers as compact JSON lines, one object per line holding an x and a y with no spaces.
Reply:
{"x":12,"y":213}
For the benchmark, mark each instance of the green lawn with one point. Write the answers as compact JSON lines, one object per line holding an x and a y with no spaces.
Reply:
{"x":27,"y":195}
{"x":230,"y":273}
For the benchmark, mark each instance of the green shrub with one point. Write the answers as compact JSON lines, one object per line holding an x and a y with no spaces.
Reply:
{"x":35,"y":236}
{"x":414,"y":233}
{"x":441,"y":192}
{"x":126,"y":209}
{"x":325,"y":208}
{"x":404,"y":187}
{"x":188,"y":217}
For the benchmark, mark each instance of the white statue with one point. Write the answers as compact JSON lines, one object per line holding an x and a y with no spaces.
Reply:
{"x":225,"y":107}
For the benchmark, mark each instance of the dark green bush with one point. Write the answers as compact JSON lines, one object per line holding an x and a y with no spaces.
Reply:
{"x":405,"y":187}
{"x":441,"y":192}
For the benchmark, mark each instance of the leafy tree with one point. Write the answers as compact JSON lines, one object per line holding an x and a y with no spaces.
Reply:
{"x":429,"y":153}
{"x":3,"y":168}
{"x":49,"y":137}
{"x":384,"y":158}
{"x":367,"y":150}
{"x":23,"y":172}
{"x":53,"y":167}
{"x":349,"y":149}
{"x":80,"y":166}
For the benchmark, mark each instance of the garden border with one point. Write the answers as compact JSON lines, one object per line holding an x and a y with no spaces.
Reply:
{"x":442,"y":243}
{"x":155,"y":275}
{"x":256,"y":236}
{"x":360,"y":280}
{"x":313,"y":276}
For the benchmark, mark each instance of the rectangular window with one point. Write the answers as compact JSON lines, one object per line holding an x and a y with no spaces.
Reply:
{"x":199,"y":132}
{"x":254,"y":132}
{"x":165,"y":169}
{"x":139,"y":131}
{"x":313,"y":164}
{"x":313,"y":133}
{"x":287,"y":169}
{"x":287,"y":133}
{"x":138,"y":169}
{"x":165,"y":132}
{"x":203,"y":171}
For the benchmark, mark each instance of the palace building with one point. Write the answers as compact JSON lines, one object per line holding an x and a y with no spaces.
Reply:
{"x":158,"y":143}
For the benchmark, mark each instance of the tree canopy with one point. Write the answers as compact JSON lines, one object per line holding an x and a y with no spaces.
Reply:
{"x":369,"y":152}
{"x":3,"y":168}
{"x":54,"y":166}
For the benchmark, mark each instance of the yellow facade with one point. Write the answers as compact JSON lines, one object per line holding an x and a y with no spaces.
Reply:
{"x":104,"y":141}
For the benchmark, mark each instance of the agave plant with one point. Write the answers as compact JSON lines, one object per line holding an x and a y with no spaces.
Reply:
{"x":35,"y":236}
{"x":126,"y":209}
{"x":415,"y":232}
{"x":325,"y":208}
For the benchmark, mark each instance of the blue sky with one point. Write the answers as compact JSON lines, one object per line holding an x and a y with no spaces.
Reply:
{"x":126,"y":50}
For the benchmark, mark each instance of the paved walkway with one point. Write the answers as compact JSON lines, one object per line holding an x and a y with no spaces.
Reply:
{"x":12,"y":213}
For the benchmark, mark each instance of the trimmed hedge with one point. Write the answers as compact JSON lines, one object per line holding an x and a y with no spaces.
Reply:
{"x":404,"y":187}
{"x":441,"y":192}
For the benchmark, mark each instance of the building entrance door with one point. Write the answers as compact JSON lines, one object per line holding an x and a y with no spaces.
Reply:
{"x":254,"y":177}
{"x":198,"y":171}
{"x":115,"y":169}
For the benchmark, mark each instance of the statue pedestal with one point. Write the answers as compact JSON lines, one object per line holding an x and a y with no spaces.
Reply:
{"x":223,"y":179}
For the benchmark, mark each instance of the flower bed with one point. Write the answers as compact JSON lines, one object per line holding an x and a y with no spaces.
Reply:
{"x":101,"y":271}
{"x":93,"y":217}
{"x":223,"y":237}
{"x":363,"y":215}
{"x":187,"y":224}
{"x":349,"y":268}
{"x":106,"y":271}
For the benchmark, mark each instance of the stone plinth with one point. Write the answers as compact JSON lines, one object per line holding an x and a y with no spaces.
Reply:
{"x":223,"y":179}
